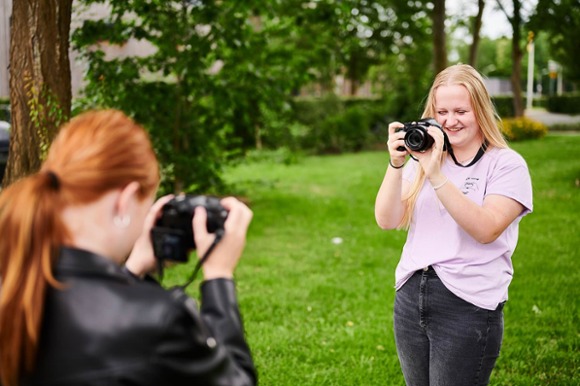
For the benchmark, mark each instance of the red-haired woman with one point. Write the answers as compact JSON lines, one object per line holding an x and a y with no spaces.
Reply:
{"x":74,"y":307}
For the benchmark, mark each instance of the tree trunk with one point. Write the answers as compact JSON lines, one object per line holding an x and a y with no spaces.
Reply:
{"x":353,"y":72}
{"x":40,"y":81}
{"x":517,"y":55}
{"x":475,"y":33}
{"x":439,"y":38}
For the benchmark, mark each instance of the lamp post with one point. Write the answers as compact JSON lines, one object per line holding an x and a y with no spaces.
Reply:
{"x":530,"y":90}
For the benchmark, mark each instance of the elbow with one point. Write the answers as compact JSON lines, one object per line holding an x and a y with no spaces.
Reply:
{"x":385,"y":225}
{"x":488,"y":237}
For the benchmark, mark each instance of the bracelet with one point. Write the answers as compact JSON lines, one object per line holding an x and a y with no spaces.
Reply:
{"x":396,"y":167}
{"x":441,"y":184}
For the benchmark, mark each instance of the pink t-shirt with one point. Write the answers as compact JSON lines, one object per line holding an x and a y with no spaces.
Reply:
{"x":478,"y":273}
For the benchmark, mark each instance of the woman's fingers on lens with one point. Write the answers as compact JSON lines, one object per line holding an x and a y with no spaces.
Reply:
{"x":437,"y":135}
{"x":393,"y":127}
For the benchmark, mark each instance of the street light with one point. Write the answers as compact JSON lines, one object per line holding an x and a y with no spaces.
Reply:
{"x":530,"y":91}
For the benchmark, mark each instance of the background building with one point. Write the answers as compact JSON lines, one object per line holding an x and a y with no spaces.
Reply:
{"x":5,"y":12}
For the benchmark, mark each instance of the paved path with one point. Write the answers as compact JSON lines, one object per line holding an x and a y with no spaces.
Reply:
{"x":549,"y":118}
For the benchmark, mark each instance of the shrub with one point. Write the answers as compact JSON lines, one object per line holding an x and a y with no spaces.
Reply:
{"x":566,"y":104}
{"x":541,"y":102}
{"x":516,"y":129}
{"x":312,"y":111}
{"x":345,"y":132}
{"x":570,"y":127}
{"x":336,"y":125}
{"x":504,"y":105}
{"x":281,"y":155}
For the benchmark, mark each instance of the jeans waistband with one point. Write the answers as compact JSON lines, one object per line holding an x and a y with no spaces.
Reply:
{"x":428,"y":270}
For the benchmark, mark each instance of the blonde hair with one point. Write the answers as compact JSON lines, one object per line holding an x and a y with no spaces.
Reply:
{"x":485,"y":114}
{"x":94,"y":153}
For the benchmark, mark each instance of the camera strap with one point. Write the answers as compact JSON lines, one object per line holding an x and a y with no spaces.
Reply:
{"x":219,"y":234}
{"x":477,"y":157}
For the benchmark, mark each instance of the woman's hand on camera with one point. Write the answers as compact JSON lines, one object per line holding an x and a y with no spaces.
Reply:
{"x":142,"y":260}
{"x":430,"y":159}
{"x":222,"y":261}
{"x":395,"y":142}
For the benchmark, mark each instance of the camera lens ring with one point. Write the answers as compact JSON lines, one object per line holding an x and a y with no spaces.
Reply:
{"x":415,"y":139}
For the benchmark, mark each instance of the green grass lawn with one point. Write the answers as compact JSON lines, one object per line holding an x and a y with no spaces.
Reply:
{"x":320,"y":313}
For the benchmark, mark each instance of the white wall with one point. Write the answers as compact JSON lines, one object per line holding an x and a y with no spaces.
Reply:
{"x":5,"y":12}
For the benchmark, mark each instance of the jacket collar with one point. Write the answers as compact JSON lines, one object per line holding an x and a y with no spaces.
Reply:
{"x":80,"y":262}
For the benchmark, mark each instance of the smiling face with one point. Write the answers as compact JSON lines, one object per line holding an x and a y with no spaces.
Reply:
{"x":454,"y":112}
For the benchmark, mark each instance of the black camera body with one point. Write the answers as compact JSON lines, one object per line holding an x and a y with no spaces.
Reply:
{"x":172,"y":235}
{"x":416,"y":136}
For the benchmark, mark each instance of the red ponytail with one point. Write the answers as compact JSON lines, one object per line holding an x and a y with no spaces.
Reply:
{"x":94,"y":153}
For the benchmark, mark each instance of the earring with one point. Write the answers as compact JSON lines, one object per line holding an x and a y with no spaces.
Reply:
{"x":122,"y":221}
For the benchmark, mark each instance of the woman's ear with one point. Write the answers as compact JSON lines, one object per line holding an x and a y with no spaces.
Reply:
{"x":127,"y":194}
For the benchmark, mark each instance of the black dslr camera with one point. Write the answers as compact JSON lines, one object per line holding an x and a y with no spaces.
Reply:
{"x":417,"y":138}
{"x":172,"y":235}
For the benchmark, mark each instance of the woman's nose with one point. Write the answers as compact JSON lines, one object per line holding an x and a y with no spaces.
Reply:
{"x":450,"y":120}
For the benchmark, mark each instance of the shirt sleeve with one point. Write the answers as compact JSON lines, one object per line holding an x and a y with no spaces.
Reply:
{"x":511,"y":178}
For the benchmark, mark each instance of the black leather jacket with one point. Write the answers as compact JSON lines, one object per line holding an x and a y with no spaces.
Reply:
{"x":105,"y":327}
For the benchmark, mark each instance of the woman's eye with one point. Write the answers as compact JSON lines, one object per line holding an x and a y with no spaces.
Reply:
{"x":442,"y":112}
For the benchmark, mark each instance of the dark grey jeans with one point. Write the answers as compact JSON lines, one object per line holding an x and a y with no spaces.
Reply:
{"x":442,"y":339}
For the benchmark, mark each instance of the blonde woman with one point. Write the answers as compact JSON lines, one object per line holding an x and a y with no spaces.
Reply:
{"x":461,"y":199}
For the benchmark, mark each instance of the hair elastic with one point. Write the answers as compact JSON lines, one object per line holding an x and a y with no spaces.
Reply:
{"x":396,"y":167}
{"x":54,"y":181}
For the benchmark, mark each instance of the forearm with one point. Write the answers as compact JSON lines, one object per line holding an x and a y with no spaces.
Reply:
{"x":389,"y":208}
{"x":478,"y":221}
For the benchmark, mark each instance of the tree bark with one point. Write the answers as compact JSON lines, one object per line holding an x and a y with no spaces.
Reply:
{"x":40,"y":81}
{"x":517,"y":55}
{"x":475,"y":33}
{"x":439,"y":37}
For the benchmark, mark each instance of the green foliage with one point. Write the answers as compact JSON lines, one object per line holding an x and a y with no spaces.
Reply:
{"x":517,"y":129}
{"x":560,"y":21}
{"x":221,"y":76}
{"x":214,"y":70}
{"x":566,"y":104}
{"x":504,"y":105}
{"x":5,"y":114}
{"x":281,"y":155}
{"x":335,"y":125}
{"x":45,"y":114}
{"x":342,"y":133}
{"x":541,"y":102}
{"x":320,"y":313}
{"x":493,"y":58}
{"x":566,"y":127}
